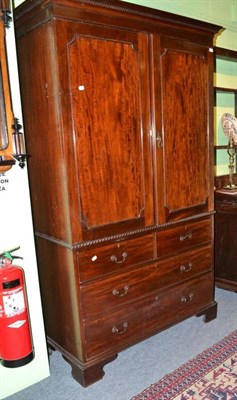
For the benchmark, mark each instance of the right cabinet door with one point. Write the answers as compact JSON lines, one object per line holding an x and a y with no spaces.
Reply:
{"x":182,"y":83}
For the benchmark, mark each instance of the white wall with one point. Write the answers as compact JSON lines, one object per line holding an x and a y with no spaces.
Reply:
{"x":16,"y":230}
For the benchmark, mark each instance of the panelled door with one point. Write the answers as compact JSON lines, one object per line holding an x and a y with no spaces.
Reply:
{"x":182,"y":128}
{"x":108,"y":86}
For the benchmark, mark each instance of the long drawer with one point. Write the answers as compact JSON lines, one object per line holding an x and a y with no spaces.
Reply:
{"x":116,"y":257}
{"x":140,"y":319}
{"x":103,"y":297}
{"x":184,"y":236}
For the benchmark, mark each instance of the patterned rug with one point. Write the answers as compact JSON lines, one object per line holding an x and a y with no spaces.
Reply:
{"x":210,"y":375}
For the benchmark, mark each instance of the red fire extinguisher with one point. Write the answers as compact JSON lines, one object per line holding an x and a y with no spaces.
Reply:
{"x":16,"y":346}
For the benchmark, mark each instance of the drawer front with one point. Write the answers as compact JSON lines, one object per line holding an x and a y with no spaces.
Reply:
{"x":116,"y":257}
{"x":226,"y":202}
{"x":115,"y":332}
{"x":183,"y":237}
{"x":105,"y":296}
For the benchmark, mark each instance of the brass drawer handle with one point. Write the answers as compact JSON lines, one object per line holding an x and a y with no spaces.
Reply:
{"x":122,"y":293}
{"x":189,"y":235}
{"x":120,"y":331}
{"x":185,"y":268}
{"x":116,"y":260}
{"x":187,"y":299}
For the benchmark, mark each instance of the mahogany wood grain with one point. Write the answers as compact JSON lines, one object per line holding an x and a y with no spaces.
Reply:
{"x":99,"y":298}
{"x":180,"y":238}
{"x":115,"y":258}
{"x":113,"y":332}
{"x":117,"y":113}
{"x":184,"y":90}
{"x":225,"y":239}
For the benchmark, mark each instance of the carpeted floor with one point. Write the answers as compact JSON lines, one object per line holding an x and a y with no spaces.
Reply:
{"x":211,"y":375}
{"x":142,"y":365}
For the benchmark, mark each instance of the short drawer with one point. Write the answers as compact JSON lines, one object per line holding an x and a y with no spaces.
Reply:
{"x":107,"y":295}
{"x":115,"y":257}
{"x":113,"y":333}
{"x":184,"y":236}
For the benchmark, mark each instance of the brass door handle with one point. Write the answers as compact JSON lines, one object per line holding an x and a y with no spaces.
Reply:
{"x":159,"y":143}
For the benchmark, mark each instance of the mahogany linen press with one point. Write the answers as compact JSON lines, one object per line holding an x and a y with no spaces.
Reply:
{"x":117,"y":105}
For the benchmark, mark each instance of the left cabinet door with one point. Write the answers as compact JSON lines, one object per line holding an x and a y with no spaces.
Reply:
{"x":108,"y":78}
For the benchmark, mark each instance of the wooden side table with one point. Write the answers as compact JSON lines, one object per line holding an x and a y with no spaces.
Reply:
{"x":226,"y":239}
